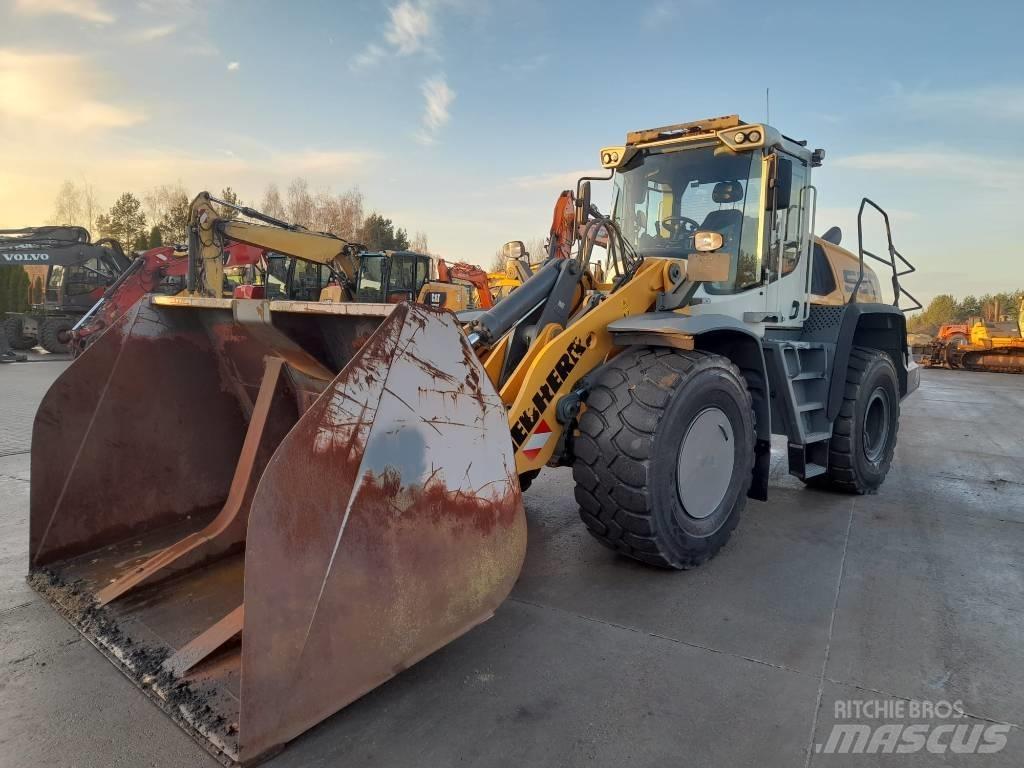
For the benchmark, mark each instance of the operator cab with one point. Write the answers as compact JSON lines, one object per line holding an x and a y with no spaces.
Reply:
{"x":736,"y":193}
{"x":391,"y":277}
{"x":79,"y":285}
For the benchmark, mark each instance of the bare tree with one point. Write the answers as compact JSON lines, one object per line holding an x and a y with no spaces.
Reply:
{"x":90,"y":204}
{"x":419,"y":243}
{"x":272,"y":205}
{"x":300,"y":203}
{"x":67,"y":206}
{"x":174,"y":224}
{"x":497,"y":262}
{"x":340,"y":215}
{"x":536,"y":250}
{"x":350,"y":214}
{"x":163,"y":206}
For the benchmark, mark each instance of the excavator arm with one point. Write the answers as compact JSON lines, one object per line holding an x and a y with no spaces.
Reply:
{"x":209,"y":230}
{"x":469,"y":273}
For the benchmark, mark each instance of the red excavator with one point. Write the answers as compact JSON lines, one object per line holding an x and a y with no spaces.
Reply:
{"x":470,"y":273}
{"x":152,"y":271}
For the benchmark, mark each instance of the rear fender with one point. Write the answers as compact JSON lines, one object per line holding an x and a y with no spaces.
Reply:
{"x":876,"y":326}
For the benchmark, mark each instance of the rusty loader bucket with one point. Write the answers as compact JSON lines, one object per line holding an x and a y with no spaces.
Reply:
{"x":261,"y":511}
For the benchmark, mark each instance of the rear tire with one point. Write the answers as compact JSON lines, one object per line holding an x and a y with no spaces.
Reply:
{"x":49,"y":335}
{"x":14,"y":328}
{"x":664,"y":456}
{"x":864,"y":433}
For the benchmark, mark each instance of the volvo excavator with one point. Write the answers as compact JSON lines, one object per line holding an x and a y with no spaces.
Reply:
{"x":333,"y":491}
{"x":77,"y":272}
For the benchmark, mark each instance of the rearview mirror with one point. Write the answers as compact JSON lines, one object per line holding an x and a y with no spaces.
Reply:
{"x":783,"y":184}
{"x":582,"y":203}
{"x":513,"y":249}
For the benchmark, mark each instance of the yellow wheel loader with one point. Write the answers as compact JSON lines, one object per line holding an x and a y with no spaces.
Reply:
{"x":262,"y":510}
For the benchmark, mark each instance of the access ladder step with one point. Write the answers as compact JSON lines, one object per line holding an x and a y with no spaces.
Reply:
{"x":814,"y":405}
{"x":813,"y":470}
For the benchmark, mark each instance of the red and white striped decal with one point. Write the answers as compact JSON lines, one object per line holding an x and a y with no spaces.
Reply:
{"x":537,"y":440}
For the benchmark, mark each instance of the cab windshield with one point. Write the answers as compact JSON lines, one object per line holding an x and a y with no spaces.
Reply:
{"x":663,"y":197}
{"x":371,"y":278}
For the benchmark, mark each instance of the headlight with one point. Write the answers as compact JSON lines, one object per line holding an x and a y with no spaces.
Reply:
{"x":707,"y":241}
{"x":754,"y":136}
{"x":739,"y":138}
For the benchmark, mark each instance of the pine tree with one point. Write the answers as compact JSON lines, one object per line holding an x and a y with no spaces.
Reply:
{"x":127,"y":221}
{"x":228,"y":195}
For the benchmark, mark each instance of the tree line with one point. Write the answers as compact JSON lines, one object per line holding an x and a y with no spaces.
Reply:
{"x":945,"y":308}
{"x":14,"y":291}
{"x":160,"y":216}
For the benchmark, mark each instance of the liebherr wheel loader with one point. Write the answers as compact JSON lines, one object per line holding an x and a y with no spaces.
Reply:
{"x":262,"y":510}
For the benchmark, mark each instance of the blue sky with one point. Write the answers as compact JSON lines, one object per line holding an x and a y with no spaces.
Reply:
{"x":465,"y":119}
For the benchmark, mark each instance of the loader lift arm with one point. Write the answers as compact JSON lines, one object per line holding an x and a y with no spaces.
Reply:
{"x":209,"y":229}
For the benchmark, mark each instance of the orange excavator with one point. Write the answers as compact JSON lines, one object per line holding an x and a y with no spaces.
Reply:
{"x":469,"y":273}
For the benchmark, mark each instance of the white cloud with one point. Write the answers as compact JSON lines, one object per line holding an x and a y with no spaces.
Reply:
{"x":233,"y":66}
{"x":996,"y":102}
{"x":659,"y":13}
{"x":87,"y":10}
{"x":409,"y":28}
{"x":531,"y":64}
{"x":30,"y":179}
{"x":552,"y":181}
{"x":962,"y":167}
{"x":370,"y":56}
{"x":438,"y":97}
{"x":56,"y":90}
{"x":320,"y":161}
{"x":149,"y":34}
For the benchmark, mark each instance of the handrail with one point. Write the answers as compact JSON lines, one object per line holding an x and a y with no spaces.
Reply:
{"x":894,"y":255}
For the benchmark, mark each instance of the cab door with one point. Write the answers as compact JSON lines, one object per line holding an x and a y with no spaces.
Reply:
{"x":406,"y":276}
{"x":788,"y":242}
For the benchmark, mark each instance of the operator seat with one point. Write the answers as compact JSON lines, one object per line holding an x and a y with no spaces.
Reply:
{"x":726,"y":221}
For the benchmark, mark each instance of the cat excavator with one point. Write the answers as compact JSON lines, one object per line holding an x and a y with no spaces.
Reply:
{"x":331,"y":491}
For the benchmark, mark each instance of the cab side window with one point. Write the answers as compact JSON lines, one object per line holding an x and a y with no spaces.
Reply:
{"x":823,"y":282}
{"x":792,"y":221}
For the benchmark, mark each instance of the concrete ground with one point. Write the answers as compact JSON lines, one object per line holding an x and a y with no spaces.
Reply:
{"x":913,"y":595}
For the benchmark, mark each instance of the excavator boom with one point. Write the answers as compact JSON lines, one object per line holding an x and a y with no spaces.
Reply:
{"x":210,"y":231}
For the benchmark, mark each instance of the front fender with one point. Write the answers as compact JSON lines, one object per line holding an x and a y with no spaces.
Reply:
{"x":722,"y":335}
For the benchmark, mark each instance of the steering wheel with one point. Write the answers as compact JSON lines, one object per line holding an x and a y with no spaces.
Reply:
{"x":680,"y":225}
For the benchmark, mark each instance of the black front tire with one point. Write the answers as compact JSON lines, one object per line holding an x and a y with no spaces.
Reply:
{"x":49,"y":335}
{"x":864,"y":433}
{"x":14,"y":328}
{"x":638,"y":413}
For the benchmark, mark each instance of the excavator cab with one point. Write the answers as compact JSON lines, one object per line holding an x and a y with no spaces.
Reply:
{"x":391,"y":277}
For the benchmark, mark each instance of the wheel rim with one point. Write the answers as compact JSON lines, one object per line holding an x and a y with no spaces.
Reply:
{"x":707,"y":456}
{"x":876,"y":424}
